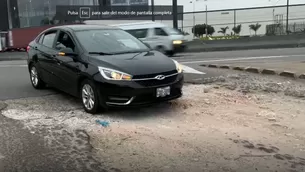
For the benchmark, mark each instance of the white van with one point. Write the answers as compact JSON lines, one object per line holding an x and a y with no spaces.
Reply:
{"x":157,"y":35}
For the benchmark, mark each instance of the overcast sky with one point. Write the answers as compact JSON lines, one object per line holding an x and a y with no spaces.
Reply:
{"x":226,"y":4}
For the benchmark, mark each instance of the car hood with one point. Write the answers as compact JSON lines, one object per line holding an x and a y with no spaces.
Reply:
{"x":136,"y":63}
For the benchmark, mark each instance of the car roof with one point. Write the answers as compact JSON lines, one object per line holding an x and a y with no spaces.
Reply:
{"x":139,"y":25}
{"x":80,"y":27}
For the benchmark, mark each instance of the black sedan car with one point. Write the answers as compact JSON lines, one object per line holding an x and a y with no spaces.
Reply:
{"x":104,"y":66}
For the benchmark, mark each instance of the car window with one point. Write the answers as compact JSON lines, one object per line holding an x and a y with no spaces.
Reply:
{"x":109,"y":41}
{"x":48,"y":39}
{"x":138,"y":33}
{"x":160,"y":32}
{"x":39,"y":39}
{"x":173,"y":31}
{"x":64,"y":41}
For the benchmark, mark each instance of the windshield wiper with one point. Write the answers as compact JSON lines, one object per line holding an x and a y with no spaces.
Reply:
{"x":100,"y":53}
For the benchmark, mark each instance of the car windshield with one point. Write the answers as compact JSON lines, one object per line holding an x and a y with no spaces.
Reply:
{"x":172,"y":31}
{"x":109,"y":41}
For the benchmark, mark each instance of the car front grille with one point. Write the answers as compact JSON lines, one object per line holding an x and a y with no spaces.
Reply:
{"x":149,"y":76}
{"x":155,"y":82}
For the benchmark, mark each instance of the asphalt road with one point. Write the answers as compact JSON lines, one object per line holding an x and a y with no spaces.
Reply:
{"x":15,"y":82}
{"x":22,"y":151}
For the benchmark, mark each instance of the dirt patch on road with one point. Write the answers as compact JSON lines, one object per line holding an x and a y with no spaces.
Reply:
{"x":211,"y":128}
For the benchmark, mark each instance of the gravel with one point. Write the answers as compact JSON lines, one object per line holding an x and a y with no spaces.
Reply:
{"x":233,"y":123}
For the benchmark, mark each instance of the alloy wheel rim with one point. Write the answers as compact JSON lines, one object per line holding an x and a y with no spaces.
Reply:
{"x":34,"y":76}
{"x":88,"y":97}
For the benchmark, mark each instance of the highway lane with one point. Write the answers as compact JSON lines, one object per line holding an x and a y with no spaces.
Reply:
{"x":15,"y":82}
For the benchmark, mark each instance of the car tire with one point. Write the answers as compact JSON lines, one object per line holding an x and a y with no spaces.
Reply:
{"x":161,"y":49}
{"x":89,"y":97}
{"x":36,"y":80}
{"x":170,"y":53}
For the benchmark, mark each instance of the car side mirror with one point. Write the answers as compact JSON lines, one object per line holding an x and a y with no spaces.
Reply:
{"x":67,"y":52}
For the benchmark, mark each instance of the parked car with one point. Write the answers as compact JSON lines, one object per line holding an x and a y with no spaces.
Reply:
{"x":104,"y":66}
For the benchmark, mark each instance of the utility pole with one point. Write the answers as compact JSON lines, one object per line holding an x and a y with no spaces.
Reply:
{"x":194,"y":18}
{"x":9,"y":14}
{"x":234,"y":18}
{"x":287,"y":18}
{"x":153,"y":10}
{"x":206,"y":20}
{"x":175,"y":14}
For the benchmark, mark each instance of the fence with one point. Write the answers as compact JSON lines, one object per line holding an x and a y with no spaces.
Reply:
{"x":270,"y":19}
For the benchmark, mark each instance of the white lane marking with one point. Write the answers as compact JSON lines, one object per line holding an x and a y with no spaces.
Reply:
{"x":233,"y":59}
{"x":13,"y":65}
{"x":191,"y":70}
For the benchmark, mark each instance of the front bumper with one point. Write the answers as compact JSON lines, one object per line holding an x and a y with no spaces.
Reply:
{"x":134,"y":93}
{"x":179,"y":48}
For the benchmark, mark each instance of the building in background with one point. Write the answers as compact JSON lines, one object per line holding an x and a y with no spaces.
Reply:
{"x":9,"y":21}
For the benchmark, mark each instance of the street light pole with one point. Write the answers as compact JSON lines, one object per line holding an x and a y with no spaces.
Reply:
{"x":194,"y":19}
{"x":153,"y":10}
{"x":287,"y":18}
{"x":206,"y":20}
{"x":175,"y":14}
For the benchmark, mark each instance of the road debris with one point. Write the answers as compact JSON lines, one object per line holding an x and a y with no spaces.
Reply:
{"x":103,"y":123}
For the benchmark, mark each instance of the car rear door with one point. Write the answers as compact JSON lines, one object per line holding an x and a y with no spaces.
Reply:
{"x":45,"y":54}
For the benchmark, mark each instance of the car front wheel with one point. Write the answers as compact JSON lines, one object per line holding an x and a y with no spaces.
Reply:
{"x":89,"y":97}
{"x":35,"y":78}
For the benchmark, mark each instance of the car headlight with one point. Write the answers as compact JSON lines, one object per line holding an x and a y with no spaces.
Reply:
{"x":177,"y":42}
{"x":111,"y":74}
{"x":178,"y":66}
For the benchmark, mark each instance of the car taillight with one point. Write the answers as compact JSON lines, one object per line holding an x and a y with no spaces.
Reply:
{"x":28,"y":48}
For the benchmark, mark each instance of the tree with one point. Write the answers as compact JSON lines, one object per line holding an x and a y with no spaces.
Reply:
{"x":223,"y":30}
{"x":200,"y":29}
{"x":237,"y":29}
{"x":255,"y":27}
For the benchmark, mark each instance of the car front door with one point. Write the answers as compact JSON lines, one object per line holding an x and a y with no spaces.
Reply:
{"x":46,"y":54}
{"x":161,"y":38}
{"x":68,"y":68}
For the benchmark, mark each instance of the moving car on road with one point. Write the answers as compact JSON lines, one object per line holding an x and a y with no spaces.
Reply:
{"x":104,"y":66}
{"x":158,"y":36}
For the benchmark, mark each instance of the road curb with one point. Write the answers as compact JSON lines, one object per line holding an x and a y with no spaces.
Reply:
{"x":238,"y":68}
{"x":264,"y":71}
{"x":213,"y":66}
{"x":252,"y":69}
{"x":302,"y":76}
{"x":288,"y":74}
{"x":224,"y":67}
{"x":268,"y":72}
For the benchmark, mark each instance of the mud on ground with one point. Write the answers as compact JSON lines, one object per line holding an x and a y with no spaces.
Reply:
{"x":242,"y":123}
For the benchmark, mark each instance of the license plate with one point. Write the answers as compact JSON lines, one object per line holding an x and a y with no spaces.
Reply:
{"x":163,"y":92}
